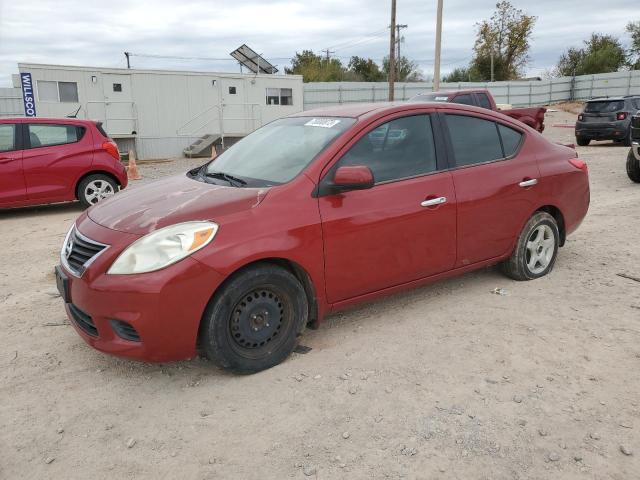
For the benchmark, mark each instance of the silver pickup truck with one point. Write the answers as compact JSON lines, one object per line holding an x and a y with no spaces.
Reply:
{"x":633,"y":159}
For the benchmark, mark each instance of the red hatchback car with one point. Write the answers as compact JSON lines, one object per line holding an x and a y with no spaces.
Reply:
{"x":313,"y":213}
{"x":48,"y":160}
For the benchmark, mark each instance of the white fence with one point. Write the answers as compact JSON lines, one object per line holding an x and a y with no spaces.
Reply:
{"x":517,"y":93}
{"x":11,"y":102}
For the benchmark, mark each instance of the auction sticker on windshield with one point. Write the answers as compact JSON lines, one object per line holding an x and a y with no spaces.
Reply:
{"x":322,"y":122}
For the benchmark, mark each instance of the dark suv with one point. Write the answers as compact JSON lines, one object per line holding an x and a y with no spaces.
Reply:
{"x":633,"y":159}
{"x":607,"y":119}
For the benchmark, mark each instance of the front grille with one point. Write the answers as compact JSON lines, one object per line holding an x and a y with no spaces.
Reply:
{"x":84,"y":321}
{"x":79,"y":251}
{"x":125,"y":330}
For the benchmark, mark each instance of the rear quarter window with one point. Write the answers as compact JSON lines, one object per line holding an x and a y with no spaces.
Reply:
{"x":511,"y":140}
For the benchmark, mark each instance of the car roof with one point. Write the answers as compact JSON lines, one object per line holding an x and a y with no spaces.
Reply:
{"x":63,"y":120}
{"x":613,"y":99}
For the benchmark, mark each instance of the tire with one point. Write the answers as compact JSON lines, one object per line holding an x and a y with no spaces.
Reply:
{"x":633,"y":167}
{"x":521,"y":265}
{"x":96,"y":187}
{"x":253,"y":322}
{"x":626,"y":141}
{"x":583,"y":142}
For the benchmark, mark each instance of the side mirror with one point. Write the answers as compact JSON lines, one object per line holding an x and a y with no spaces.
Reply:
{"x":357,"y":177}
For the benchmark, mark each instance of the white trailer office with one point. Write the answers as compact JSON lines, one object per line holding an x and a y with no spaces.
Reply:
{"x":162,"y":113}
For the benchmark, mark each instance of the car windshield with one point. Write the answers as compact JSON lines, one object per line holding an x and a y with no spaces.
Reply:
{"x":277,"y":152}
{"x":607,"y":106}
{"x":430,"y":97}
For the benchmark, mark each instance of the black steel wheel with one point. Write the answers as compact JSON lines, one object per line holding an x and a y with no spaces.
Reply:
{"x":633,"y":167}
{"x":252,"y":323}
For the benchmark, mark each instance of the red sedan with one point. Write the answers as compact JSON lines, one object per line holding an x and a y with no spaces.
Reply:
{"x":48,"y":160}
{"x":308,"y":215}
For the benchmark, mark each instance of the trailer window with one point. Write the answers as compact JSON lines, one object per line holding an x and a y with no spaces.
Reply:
{"x":279,"y":96}
{"x":49,"y":91}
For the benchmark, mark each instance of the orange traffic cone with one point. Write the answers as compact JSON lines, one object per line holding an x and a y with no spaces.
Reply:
{"x":132,"y":171}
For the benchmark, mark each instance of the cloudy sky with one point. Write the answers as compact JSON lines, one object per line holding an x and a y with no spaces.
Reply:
{"x":96,"y":33}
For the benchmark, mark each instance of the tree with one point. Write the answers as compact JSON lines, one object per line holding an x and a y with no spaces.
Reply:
{"x":506,"y":37}
{"x":461,"y":74}
{"x":365,"y":69}
{"x":633,"y":29}
{"x":406,"y":70}
{"x":315,"y":68}
{"x":601,"y":54}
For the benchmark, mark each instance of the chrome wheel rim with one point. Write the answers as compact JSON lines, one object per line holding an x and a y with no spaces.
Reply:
{"x":98,"y":190}
{"x":541,"y":246}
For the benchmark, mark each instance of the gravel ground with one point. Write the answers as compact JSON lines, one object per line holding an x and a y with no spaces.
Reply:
{"x":445,"y":381}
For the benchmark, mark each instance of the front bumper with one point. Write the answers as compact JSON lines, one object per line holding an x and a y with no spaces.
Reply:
{"x":151,"y":317}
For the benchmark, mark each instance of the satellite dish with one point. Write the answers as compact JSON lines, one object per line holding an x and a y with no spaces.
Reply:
{"x":252,"y":60}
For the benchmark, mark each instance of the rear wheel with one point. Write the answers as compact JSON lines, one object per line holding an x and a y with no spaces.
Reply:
{"x":254,"y":321}
{"x":633,"y":167}
{"x":96,"y":187}
{"x":583,"y":142}
{"x":536,"y":250}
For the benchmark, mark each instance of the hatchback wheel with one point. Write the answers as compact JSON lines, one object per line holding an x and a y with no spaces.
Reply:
{"x":536,"y":250}
{"x":96,"y":187}
{"x":633,"y":167}
{"x":254,"y":321}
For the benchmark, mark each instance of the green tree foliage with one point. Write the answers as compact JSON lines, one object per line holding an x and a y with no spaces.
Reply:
{"x":315,"y":68}
{"x":601,"y":54}
{"x":462,"y":74}
{"x":506,"y":35}
{"x":633,"y":29}
{"x":365,"y":69}
{"x":406,"y":70}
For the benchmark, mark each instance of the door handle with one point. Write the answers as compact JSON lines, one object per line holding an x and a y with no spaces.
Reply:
{"x":528,"y":183}
{"x":434,"y":201}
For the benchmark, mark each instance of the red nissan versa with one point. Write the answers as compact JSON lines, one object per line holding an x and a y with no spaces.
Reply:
{"x":48,"y":160}
{"x":313,"y":213}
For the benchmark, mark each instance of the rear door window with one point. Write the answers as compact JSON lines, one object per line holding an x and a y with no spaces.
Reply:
{"x":7,"y":137}
{"x":43,"y":135}
{"x":465,"y":99}
{"x":474,"y":140}
{"x":604,"y":106}
{"x":483,"y":100}
{"x":398,"y":149}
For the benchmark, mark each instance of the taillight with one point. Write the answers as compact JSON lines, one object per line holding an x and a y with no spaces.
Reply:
{"x":621,"y":116}
{"x":579,"y":164}
{"x":112,"y":149}
{"x":580,"y":117}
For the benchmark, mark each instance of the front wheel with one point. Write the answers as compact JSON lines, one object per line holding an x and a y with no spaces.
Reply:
{"x":633,"y":167}
{"x":254,"y":321}
{"x":536,"y":250}
{"x":96,"y":187}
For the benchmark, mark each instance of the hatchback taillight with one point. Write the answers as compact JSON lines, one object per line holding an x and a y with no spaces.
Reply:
{"x":579,"y":164}
{"x":112,"y":149}
{"x":621,"y":116}
{"x":580,"y":117}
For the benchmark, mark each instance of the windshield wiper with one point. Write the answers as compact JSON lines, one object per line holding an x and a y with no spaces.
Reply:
{"x":233,"y":181}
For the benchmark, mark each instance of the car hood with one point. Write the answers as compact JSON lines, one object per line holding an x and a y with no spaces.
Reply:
{"x":172,"y":200}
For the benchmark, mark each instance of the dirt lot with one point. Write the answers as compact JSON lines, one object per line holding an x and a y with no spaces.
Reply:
{"x":446,"y":381}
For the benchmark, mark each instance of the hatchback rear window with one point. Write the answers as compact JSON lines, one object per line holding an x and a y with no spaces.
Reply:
{"x":604,"y":106}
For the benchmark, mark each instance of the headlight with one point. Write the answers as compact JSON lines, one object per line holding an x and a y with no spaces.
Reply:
{"x":164,"y":247}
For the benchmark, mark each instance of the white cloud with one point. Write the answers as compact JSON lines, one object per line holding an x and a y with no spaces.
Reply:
{"x":97,"y":33}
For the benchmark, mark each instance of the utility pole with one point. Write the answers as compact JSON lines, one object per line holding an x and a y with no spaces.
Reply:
{"x":492,"y":73}
{"x":127,"y":54}
{"x":399,"y":39}
{"x":392,"y":51}
{"x":436,"y":65}
{"x":328,"y":53}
